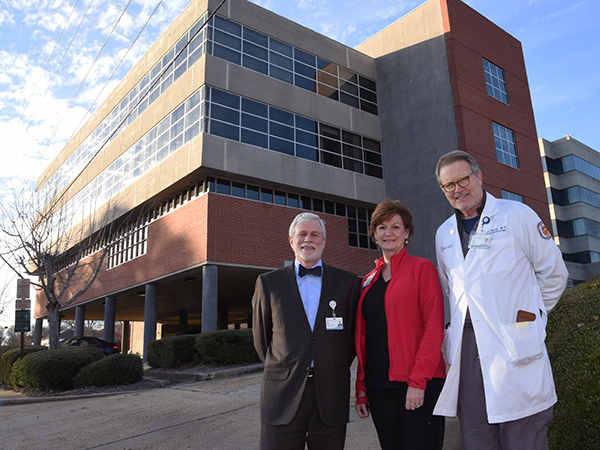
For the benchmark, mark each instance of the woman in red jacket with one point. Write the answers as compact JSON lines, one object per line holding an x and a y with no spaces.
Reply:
{"x":399,"y":333}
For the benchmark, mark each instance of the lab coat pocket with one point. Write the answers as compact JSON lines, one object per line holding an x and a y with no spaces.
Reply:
{"x":524,"y":342}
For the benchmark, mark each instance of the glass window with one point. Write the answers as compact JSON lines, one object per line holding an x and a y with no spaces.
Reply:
{"x":279,"y":145}
{"x":222,"y":186}
{"x":281,"y":47}
{"x":252,"y":192}
{"x":282,"y":61}
{"x":227,"y":25}
{"x":255,"y":123}
{"x":256,"y":37}
{"x":258,"y":109}
{"x":255,"y":64}
{"x":306,"y":58}
{"x":279,"y":198}
{"x":505,"y":145}
{"x":228,"y":40}
{"x":281,"y":116}
{"x":511,"y":196}
{"x":254,"y":138}
{"x":266,"y":195}
{"x":317,"y":205}
{"x":281,"y":74}
{"x":305,"y":152}
{"x":495,"y":81}
{"x":293,"y":200}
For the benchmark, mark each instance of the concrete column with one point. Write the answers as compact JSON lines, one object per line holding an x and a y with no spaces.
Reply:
{"x":223,"y":317}
{"x":126,"y":337}
{"x":210,"y":278}
{"x":37,"y":332}
{"x":150,"y":315}
{"x":183,"y":322}
{"x":110,"y":313}
{"x":79,"y":320}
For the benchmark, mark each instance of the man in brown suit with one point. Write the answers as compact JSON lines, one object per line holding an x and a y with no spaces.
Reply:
{"x":303,"y":325}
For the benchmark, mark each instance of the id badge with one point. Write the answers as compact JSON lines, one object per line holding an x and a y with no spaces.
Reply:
{"x":334,"y":323}
{"x":480,"y":241}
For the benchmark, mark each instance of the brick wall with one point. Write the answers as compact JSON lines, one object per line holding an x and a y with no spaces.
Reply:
{"x":470,"y":37}
{"x":220,"y":229}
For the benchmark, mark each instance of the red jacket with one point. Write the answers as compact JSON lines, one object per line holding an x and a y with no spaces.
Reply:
{"x":414,"y":309}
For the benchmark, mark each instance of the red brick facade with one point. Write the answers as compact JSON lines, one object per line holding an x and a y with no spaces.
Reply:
{"x":475,"y":110}
{"x":220,"y":229}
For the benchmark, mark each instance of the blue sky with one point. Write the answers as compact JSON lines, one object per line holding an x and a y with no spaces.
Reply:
{"x":47,"y":92}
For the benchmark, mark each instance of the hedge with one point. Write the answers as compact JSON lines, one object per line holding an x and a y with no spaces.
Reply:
{"x":53,"y":370}
{"x":227,"y":346}
{"x":113,"y":370}
{"x":573,"y":342}
{"x":171,"y":352}
{"x":10,"y":355}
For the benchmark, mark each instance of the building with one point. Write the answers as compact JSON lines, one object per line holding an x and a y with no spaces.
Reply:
{"x":233,"y":123}
{"x":572,"y":174}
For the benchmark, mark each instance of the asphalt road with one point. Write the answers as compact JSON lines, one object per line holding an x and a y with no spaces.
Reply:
{"x":218,"y":414}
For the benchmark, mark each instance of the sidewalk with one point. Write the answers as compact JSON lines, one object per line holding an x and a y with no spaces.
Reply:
{"x":359,"y":430}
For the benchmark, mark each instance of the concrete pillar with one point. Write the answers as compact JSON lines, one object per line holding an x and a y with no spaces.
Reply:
{"x":79,"y":320}
{"x":110,"y":313}
{"x":210,"y":278}
{"x":150,"y":315}
{"x":126,"y":337}
{"x":183,"y":322}
{"x":37,"y":332}
{"x":223,"y":317}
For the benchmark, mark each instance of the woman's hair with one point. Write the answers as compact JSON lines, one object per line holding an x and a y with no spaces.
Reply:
{"x":388,"y":209}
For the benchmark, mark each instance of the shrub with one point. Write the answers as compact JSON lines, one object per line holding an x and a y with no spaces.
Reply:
{"x":111,"y":371}
{"x":10,"y":356}
{"x":171,"y":352}
{"x":573,"y":337}
{"x":53,"y":370}
{"x":227,"y":346}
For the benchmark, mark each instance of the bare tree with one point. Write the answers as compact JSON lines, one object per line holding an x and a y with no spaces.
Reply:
{"x":40,"y":239}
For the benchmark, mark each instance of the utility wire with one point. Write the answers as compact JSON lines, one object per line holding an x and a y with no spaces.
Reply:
{"x":109,"y":137}
{"x":84,"y":79}
{"x":117,"y":67}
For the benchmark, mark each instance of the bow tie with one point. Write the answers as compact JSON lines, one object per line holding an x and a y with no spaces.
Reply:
{"x":316,"y":271}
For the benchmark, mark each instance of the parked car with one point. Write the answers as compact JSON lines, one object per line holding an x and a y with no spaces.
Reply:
{"x":108,"y":348}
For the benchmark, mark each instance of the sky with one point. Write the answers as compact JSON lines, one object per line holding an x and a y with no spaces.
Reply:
{"x":59,"y":59}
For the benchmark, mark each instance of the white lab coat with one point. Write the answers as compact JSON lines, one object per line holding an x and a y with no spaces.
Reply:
{"x":520,"y":270}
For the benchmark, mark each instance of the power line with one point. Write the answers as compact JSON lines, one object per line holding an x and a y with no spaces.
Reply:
{"x":142,"y":97}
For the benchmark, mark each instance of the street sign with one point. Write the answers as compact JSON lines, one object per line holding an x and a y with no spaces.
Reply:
{"x":23,"y":303}
{"x":23,"y":287}
{"x":22,"y":321}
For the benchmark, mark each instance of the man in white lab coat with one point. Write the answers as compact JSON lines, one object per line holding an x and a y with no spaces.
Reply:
{"x":502,"y":273}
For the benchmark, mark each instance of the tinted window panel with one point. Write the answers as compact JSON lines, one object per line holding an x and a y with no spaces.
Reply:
{"x":305,"y":83}
{"x":256,"y":37}
{"x":256,"y":51}
{"x":255,"y":64}
{"x":224,"y":130}
{"x":255,"y":123}
{"x":226,"y":25}
{"x":225,"y":114}
{"x":254,"y":138}
{"x":227,"y":54}
{"x":281,"y":47}
{"x":282,"y":74}
{"x":306,"y":124}
{"x":307,"y":152}
{"x":225,"y":98}
{"x":227,"y":40}
{"x":365,"y":82}
{"x":282,"y":61}
{"x":258,"y":109}
{"x":279,"y":115}
{"x":307,"y":138}
{"x":331,"y":159}
{"x":307,"y":58}
{"x":279,"y":145}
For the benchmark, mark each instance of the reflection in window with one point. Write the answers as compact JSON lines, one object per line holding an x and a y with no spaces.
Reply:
{"x":504,"y":140}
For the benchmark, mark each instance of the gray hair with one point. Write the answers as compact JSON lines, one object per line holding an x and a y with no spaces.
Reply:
{"x":452,"y":157}
{"x":307,"y":217}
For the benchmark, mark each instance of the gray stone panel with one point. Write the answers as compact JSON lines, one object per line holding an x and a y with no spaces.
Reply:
{"x":418,"y":126}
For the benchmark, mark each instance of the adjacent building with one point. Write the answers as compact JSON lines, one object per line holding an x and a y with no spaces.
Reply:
{"x":572,"y":174}
{"x":238,"y":119}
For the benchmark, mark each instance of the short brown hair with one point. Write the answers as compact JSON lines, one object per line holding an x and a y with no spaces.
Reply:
{"x":452,"y":157}
{"x":388,"y":209}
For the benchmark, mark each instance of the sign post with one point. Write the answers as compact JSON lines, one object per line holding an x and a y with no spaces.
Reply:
{"x":23,"y":310}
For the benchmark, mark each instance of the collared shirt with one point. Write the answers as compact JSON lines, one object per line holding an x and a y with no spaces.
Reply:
{"x":310,"y":292}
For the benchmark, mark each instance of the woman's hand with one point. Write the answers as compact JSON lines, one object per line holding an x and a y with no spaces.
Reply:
{"x":414,"y":398}
{"x":362,"y":410}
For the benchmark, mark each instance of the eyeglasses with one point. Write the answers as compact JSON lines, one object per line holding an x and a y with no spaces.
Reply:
{"x":463,"y":182}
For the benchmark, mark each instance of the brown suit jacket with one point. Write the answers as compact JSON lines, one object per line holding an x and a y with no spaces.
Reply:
{"x":287,"y":345}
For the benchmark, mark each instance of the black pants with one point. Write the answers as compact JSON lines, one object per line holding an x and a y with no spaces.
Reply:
{"x":305,"y":428}
{"x":402,"y":429}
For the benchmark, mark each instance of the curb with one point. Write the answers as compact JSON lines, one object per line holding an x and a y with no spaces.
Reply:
{"x":171,"y":375}
{"x":164,"y":377}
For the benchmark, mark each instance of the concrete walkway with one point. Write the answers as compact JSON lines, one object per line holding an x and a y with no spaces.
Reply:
{"x":222,"y":412}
